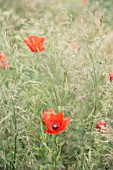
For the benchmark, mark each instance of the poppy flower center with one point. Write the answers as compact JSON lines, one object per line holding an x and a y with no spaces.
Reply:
{"x":55,"y":126}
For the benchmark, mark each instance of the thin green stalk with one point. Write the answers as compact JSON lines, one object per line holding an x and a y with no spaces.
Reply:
{"x":95,"y":88}
{"x":15,"y":137}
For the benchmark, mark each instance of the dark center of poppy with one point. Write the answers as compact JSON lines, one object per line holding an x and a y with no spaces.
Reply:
{"x":55,"y":126}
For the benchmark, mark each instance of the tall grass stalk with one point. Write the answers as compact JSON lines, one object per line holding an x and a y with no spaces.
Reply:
{"x":15,"y":137}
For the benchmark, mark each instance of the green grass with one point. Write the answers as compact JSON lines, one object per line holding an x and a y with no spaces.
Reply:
{"x":74,"y":82}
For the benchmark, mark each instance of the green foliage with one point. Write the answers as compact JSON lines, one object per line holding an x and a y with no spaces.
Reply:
{"x":69,"y":80}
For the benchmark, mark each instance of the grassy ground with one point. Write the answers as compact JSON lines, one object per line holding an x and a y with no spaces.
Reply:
{"x":74,"y":81}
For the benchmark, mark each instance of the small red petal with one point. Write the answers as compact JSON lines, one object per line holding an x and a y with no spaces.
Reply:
{"x":47,"y":115}
{"x":48,"y":112}
{"x":65,"y":123}
{"x":49,"y":132}
{"x":53,"y":132}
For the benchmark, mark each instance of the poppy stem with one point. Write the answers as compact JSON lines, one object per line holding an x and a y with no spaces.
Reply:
{"x":15,"y":137}
{"x":95,"y":89}
{"x":54,"y":136}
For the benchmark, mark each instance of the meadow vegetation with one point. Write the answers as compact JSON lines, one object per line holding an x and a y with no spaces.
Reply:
{"x":71,"y":75}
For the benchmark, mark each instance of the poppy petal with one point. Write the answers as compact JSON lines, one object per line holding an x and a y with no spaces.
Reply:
{"x":52,"y":132}
{"x":42,"y":39}
{"x":29,"y":44}
{"x":48,"y":131}
{"x":47,"y":114}
{"x":40,"y":48}
{"x":65,"y":123}
{"x":2,"y":56}
{"x":58,"y":117}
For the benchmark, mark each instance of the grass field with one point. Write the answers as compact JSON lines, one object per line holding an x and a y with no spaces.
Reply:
{"x":71,"y":75}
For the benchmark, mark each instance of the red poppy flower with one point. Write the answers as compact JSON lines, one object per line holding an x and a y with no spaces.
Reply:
{"x":35,"y":43}
{"x":55,"y":123}
{"x":101,"y":126}
{"x":84,"y":2}
{"x":74,"y":47}
{"x":3,"y":61}
{"x":111,"y":76}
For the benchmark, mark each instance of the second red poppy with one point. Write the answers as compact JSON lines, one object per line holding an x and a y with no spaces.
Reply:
{"x":35,"y":43}
{"x":3,"y":61}
{"x":111,"y":76}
